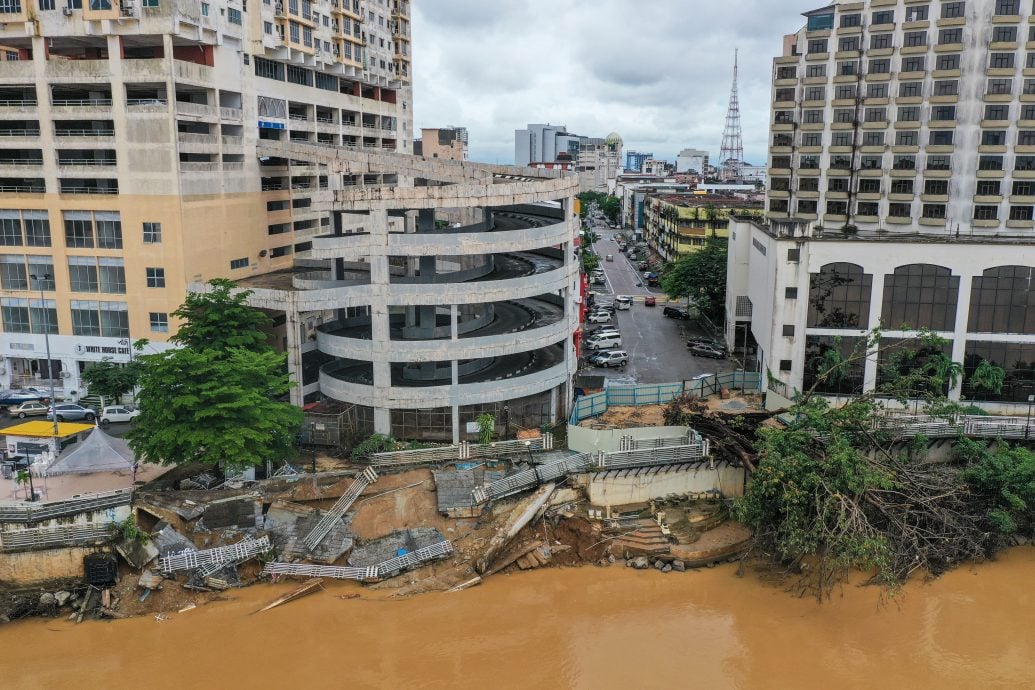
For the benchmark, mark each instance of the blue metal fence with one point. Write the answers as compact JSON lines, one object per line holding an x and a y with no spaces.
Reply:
{"x":659,"y":394}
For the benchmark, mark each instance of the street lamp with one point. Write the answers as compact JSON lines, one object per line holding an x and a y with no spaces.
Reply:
{"x":1027,"y":424}
{"x":46,"y":339}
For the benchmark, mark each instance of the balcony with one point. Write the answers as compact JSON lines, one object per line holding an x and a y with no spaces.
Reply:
{"x":88,"y":186}
{"x":199,"y":110}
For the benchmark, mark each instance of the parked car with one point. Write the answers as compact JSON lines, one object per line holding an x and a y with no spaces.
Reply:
{"x":599,"y":317}
{"x":609,"y":307}
{"x":118,"y":415}
{"x":604,"y":330}
{"x":676,"y":313}
{"x":650,"y":301}
{"x":603,"y":341}
{"x":15,"y":397}
{"x":29,"y":409}
{"x":611,"y":358}
{"x":707,"y":351}
{"x":623,"y":302}
{"x":597,"y":280}
{"x":706,"y":342}
{"x":70,"y":412}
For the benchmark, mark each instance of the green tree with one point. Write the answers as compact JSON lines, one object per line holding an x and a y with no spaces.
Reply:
{"x":110,"y":380}
{"x":700,"y":277}
{"x":1003,"y":479}
{"x":486,"y":427}
{"x":221,"y":320}
{"x":987,"y":376}
{"x":216,"y":399}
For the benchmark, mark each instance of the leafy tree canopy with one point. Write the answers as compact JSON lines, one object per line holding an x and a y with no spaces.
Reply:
{"x":221,"y":320}
{"x":610,"y":206}
{"x":701,"y":277}
{"x":110,"y":380}
{"x":216,"y":399}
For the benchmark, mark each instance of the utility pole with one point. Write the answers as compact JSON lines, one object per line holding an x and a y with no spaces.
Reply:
{"x":50,"y":368}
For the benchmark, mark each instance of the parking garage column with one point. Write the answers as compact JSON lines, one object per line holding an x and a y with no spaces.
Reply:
{"x":876,"y":305}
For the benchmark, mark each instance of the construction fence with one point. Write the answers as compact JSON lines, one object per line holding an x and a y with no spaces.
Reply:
{"x":662,"y":393}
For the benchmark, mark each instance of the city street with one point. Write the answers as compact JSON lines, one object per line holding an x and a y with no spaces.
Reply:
{"x":656,"y":344}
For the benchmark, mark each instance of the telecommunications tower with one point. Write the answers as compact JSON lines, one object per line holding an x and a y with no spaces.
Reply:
{"x":731,"y":156}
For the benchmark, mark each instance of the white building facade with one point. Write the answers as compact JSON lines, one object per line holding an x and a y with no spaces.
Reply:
{"x":901,"y":195}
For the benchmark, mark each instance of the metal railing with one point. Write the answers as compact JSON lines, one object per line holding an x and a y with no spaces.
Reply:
{"x":650,"y":457}
{"x":56,"y":537}
{"x":77,"y":189}
{"x":660,"y":394}
{"x":18,"y":104}
{"x":22,"y":189}
{"x":975,"y":426}
{"x":104,"y":102}
{"x":460,"y":451}
{"x":373,"y":573}
{"x":222,"y":555}
{"x":365,"y":479}
{"x":38,"y":512}
{"x":85,"y":132}
{"x":19,"y":132}
{"x":531,"y":478}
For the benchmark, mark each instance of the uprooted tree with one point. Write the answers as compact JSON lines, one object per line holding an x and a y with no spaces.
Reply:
{"x":832,"y":492}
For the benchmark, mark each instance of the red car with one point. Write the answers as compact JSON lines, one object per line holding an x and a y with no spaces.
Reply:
{"x":650,"y":302}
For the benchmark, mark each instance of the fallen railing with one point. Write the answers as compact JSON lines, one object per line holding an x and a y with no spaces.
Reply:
{"x":331,"y":517}
{"x":373,"y":573}
{"x":221,"y":556}
{"x":38,"y":512}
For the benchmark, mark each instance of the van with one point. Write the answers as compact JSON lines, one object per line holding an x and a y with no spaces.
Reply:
{"x":604,"y":341}
{"x":610,"y":257}
{"x":623,"y":303}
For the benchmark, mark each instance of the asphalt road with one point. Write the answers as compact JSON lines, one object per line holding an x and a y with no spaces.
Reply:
{"x":656,"y":344}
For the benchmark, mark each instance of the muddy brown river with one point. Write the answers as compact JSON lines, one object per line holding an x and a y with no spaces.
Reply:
{"x":573,"y":628}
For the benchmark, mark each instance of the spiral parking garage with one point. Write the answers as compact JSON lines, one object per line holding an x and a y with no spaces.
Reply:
{"x":427,"y":303}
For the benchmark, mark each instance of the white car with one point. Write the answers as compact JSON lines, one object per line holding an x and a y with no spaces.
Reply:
{"x":599,"y":317}
{"x":118,"y":415}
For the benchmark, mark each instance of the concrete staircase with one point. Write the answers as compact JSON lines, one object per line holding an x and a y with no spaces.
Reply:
{"x":643,"y":539}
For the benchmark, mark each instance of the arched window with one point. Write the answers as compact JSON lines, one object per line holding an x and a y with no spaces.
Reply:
{"x":1002,"y":300}
{"x":839,"y":297}
{"x":920,"y":296}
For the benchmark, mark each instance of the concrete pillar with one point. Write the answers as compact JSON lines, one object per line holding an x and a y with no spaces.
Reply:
{"x":959,"y":336}
{"x":454,"y":320}
{"x":876,"y":306}
{"x":456,"y":423}
{"x":382,"y":421}
{"x":292,"y":327}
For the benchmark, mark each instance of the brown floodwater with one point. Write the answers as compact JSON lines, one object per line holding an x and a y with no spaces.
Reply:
{"x":572,"y":628}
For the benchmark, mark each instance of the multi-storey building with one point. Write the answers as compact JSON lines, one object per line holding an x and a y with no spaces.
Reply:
{"x":692,"y":159}
{"x":676,"y":224}
{"x":901,"y":194}
{"x":128,"y":156}
{"x":634,"y":161}
{"x":447,"y":142}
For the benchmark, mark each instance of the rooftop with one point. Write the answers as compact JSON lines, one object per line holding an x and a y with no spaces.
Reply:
{"x":45,"y":429}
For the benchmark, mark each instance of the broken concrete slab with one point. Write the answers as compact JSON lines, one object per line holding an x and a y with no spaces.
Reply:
{"x":395,"y":544}
{"x":135,"y":553}
{"x":242,"y":512}
{"x":454,"y":490}
{"x":149,"y":579}
{"x":287,"y":524}
{"x":167,"y":540}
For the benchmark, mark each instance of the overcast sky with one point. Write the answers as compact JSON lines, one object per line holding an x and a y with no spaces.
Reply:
{"x":658,"y":72}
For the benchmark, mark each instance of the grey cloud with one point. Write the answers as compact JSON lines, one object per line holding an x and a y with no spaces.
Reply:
{"x":656,"y":71}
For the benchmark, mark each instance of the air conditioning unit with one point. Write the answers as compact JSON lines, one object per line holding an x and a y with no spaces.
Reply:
{"x":67,"y":11}
{"x":279,"y":8}
{"x":66,"y":374}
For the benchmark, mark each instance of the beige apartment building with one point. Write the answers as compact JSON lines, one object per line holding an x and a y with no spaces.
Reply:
{"x":449,"y":143}
{"x":128,"y":156}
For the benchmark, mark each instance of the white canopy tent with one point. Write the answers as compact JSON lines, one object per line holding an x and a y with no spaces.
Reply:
{"x":98,"y":453}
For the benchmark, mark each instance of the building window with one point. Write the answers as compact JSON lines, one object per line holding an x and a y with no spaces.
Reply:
{"x":233,"y":15}
{"x":904,"y":163}
{"x":883,"y":17}
{"x":817,"y":46}
{"x":238,"y":263}
{"x":846,"y":68}
{"x":949,"y":87}
{"x":152,"y":233}
{"x":953,"y":10}
{"x":997,"y":112}
{"x":867,"y":208}
{"x":837,"y":208}
{"x":812,"y":93}
{"x":267,"y":28}
{"x":873,"y":138}
{"x":841,"y":139}
{"x":936,"y":187}
{"x":29,"y":315}
{"x":909,"y":113}
{"x":990,"y":163}
{"x":914,"y":64}
{"x":910,"y":89}
{"x":204,"y":9}
{"x":1014,"y":358}
{"x":947,"y":62}
{"x":811,"y":139}
{"x":1024,"y":163}
{"x":920,"y":296}
{"x":876,"y":90}
{"x":155,"y":277}
{"x":878,"y":41}
{"x":993,"y":137}
{"x":1024,"y":188}
{"x":812,"y":70}
{"x":13,"y":275}
{"x":876,"y":114}
{"x":914,"y":39}
{"x":788,"y":331}
{"x":107,"y":319}
{"x":940,"y":137}
{"x":1008,"y":7}
{"x":871,"y":162}
{"x":1004,"y":34}
{"x":159,"y":322}
{"x":850,"y":20}
{"x":916,"y":14}
{"x":986,"y":213}
{"x":790,"y":293}
{"x":839,"y":297}
{"x":1020,"y":213}
{"x":900,"y":210}
{"x":47,"y":5}
{"x":880,"y":66}
{"x":999,"y":87}
{"x":935,"y":211}
{"x":899,"y":186}
{"x":1001,"y":61}
{"x":813,"y":116}
{"x":849,"y":44}
{"x":1002,"y":301}
{"x":869,"y":185}
{"x":950,"y":36}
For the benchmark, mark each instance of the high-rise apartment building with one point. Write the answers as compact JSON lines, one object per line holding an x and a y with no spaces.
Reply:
{"x":634,"y":161}
{"x":128,"y":156}
{"x":901,"y":195}
{"x":692,"y":159}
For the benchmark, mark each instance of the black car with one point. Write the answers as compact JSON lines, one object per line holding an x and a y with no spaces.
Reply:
{"x":706,"y":342}
{"x":676,"y":313}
